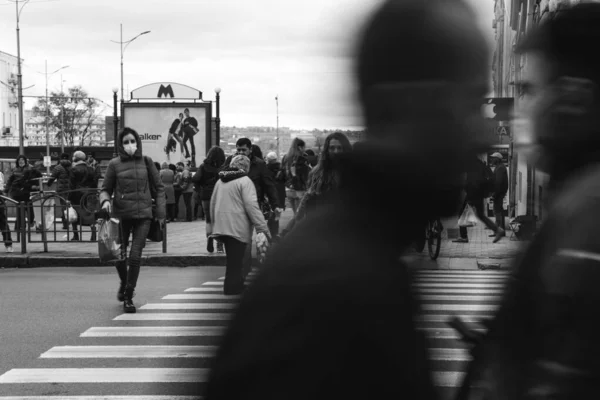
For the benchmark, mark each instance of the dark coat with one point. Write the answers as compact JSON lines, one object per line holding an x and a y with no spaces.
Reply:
{"x":275,"y":168}
{"x":80,"y":179}
{"x":205,"y":178}
{"x":334,"y":284}
{"x":501,"y":178}
{"x":475,"y":186}
{"x":128,"y":179}
{"x":60,"y":174}
{"x":262,"y":179}
{"x":22,"y":179}
{"x":299,"y":181}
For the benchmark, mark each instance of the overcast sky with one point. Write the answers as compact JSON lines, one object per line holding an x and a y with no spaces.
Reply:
{"x":252,"y":49}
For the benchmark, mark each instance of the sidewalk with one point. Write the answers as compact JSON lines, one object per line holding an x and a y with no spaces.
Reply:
{"x":186,"y":246}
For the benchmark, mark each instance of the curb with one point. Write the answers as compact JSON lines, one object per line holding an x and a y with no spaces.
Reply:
{"x":33,"y":261}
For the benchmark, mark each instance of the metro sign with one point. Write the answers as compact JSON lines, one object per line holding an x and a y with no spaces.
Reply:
{"x":164,"y":90}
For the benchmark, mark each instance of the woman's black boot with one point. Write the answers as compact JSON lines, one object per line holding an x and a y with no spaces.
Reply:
{"x":210,"y":247}
{"x":128,"y":306}
{"x":122,"y":271}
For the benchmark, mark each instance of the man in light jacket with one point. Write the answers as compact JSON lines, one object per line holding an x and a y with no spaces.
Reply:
{"x":235,"y":212}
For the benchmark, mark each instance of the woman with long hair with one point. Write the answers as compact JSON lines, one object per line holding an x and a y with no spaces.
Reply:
{"x":323,"y":180}
{"x":295,"y":168}
{"x":206,"y":177}
{"x":130,"y":187}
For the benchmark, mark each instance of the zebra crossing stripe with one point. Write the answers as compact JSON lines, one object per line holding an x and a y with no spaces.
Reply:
{"x":446,"y":317}
{"x":459,"y":298}
{"x":149,"y":397}
{"x":460,"y":285}
{"x":459,"y":307}
{"x":463,"y":291}
{"x":213,"y":283}
{"x":105,"y":375}
{"x":443,"y":333}
{"x":448,"y":379}
{"x":449,"y":355}
{"x":188,"y":306}
{"x":153,"y":331}
{"x":460,"y":272}
{"x":204,"y":289}
{"x":460,"y":280}
{"x":174,"y":317}
{"x":200,"y":297}
{"x":130,"y":352}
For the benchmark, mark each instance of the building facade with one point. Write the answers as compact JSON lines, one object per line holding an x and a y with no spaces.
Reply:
{"x":512,"y":20}
{"x":9,"y":111}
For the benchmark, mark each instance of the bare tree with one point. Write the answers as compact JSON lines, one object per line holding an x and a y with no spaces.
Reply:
{"x":70,"y":114}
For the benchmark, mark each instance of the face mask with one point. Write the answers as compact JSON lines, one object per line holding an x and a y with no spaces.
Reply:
{"x":130,"y":148}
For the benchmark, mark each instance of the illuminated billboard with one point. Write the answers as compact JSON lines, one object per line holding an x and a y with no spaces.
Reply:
{"x":171,"y":132}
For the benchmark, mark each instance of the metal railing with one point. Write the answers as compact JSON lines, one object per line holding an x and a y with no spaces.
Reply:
{"x":48,"y":209}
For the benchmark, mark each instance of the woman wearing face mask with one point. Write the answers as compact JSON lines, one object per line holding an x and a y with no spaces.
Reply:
{"x":131,"y":178}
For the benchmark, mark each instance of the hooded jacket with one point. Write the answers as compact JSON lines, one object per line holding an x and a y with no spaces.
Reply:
{"x":22,"y":179}
{"x":234,"y":207}
{"x":128,"y":182}
{"x":206,"y":179}
{"x":60,"y":174}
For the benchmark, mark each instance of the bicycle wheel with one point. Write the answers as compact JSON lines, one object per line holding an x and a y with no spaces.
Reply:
{"x":434,"y":240}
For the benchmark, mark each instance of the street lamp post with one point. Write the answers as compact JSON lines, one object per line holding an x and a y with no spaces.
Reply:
{"x":277,"y":129}
{"x":47,"y":109}
{"x":218,"y":120}
{"x":115,"y":122}
{"x":62,"y":118}
{"x":121,"y":42}
{"x":20,"y":82}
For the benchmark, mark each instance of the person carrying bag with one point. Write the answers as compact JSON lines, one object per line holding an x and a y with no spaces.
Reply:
{"x":133,"y":184}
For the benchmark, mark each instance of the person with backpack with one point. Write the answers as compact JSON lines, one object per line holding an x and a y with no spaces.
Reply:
{"x":82,"y":177}
{"x":478,"y":185}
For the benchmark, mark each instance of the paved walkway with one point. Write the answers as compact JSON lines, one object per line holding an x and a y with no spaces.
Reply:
{"x":186,"y":245}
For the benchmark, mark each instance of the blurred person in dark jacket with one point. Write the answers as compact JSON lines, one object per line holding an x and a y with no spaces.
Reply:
{"x":476,"y":192}
{"x":336,"y":282}
{"x":313,"y":159}
{"x":543,"y":338}
{"x":275,"y":167}
{"x":82,"y":178}
{"x":500,"y":190}
{"x":23,"y":180}
{"x":61,"y":176}
{"x":206,"y":178}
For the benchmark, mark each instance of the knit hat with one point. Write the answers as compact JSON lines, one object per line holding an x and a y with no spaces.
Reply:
{"x":65,"y":156}
{"x":271,"y":157}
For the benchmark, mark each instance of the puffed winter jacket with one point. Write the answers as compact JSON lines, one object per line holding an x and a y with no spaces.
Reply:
{"x":60,"y":174}
{"x":127,"y":179}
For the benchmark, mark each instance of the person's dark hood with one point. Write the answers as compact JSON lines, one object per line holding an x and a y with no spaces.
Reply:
{"x":65,"y":163}
{"x":24,"y":158}
{"x":210,"y":168}
{"x":122,"y":153}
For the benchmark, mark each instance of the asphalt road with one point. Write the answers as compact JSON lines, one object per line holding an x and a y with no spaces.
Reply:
{"x":43,"y":308}
{"x":63,"y":333}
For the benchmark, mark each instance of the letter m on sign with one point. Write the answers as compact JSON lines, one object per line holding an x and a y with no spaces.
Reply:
{"x":164,"y":91}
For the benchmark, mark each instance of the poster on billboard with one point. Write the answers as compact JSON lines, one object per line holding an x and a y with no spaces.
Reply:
{"x":171,"y":132}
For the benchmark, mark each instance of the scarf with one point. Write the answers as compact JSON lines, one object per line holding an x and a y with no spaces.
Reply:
{"x":230,"y":174}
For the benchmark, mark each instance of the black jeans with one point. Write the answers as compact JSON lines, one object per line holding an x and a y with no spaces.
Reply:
{"x":24,"y":197}
{"x":273,"y":227}
{"x":477,"y":204}
{"x":138,"y":229}
{"x":234,"y":278}
{"x":171,"y":211}
{"x":4,"y":225}
{"x":206,"y":208}
{"x":188,"y":136}
{"x":176,"y":206}
{"x":499,"y":210}
{"x":198,"y":209}
{"x":187,"y":200}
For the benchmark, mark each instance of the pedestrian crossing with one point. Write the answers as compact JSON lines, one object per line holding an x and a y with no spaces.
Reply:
{"x":162,"y":352}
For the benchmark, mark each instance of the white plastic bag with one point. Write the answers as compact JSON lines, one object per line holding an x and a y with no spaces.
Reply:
{"x":71,"y":215}
{"x":49,"y":213}
{"x":109,"y":242}
{"x":468,"y":218}
{"x":262,"y":247}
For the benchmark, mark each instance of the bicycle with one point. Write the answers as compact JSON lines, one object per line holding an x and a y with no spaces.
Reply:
{"x":433,"y":236}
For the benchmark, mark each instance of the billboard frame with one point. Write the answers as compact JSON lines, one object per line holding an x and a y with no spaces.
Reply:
{"x":207,"y":105}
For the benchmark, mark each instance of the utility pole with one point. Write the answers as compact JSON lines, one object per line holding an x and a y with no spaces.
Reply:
{"x":277,"y":129}
{"x":62,"y":118}
{"x":46,"y":120}
{"x":20,"y":86}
